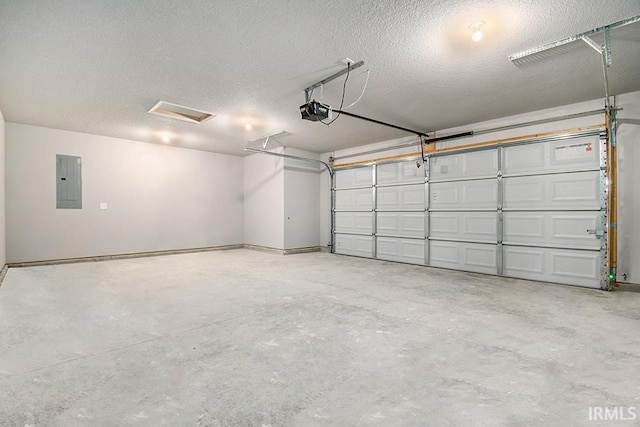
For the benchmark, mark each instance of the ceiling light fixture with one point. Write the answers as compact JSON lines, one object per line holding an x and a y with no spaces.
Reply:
{"x":165,"y":138}
{"x":248,"y":126}
{"x":476,"y":27}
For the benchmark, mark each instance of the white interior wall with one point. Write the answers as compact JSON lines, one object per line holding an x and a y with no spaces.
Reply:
{"x":324,"y":223}
{"x":628,"y":154}
{"x":281,"y":201}
{"x":301,"y":201}
{"x":3,"y":252}
{"x":264,"y":201}
{"x":159,"y":197}
{"x":628,"y":194}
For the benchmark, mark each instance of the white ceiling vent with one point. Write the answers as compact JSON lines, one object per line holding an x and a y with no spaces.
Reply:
{"x":180,"y":112}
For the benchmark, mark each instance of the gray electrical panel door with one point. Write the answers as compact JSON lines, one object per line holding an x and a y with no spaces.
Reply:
{"x":68,"y":182}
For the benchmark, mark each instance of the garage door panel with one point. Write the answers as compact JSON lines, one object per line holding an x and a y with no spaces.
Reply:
{"x":357,"y":177}
{"x":524,"y":262}
{"x":401,"y":250}
{"x":444,"y":224}
{"x":585,"y":265}
{"x":482,"y":258}
{"x":350,"y":244}
{"x":567,"y":229}
{"x":401,"y":197}
{"x":523,"y":192}
{"x":579,"y":190}
{"x":354,"y":222}
{"x":465,"y":195}
{"x":470,"y":165}
{"x":444,"y":254}
{"x":409,"y":224}
{"x":574,"y":267}
{"x":524,"y":158}
{"x":572,"y":154}
{"x":471,"y":226}
{"x":477,"y":257}
{"x":399,"y":173}
{"x":354,"y":200}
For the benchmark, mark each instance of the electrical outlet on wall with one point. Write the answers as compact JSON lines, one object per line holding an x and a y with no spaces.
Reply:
{"x":103,"y":206}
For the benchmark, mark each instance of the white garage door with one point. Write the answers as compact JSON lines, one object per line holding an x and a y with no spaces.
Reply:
{"x":353,"y":216}
{"x":534,"y":209}
{"x":555,"y":211}
{"x":401,"y":220}
{"x":463,"y":210}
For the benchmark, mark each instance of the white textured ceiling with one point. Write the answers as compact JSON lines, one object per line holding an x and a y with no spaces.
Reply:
{"x":98,"y":66}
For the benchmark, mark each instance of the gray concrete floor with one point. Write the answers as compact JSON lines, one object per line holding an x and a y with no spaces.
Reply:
{"x":244,"y":338}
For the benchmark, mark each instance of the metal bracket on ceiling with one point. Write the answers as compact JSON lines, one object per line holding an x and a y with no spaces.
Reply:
{"x":529,"y":52}
{"x":266,"y":141}
{"x":268,"y":138}
{"x":588,"y":40}
{"x":350,"y":67}
{"x":604,"y":50}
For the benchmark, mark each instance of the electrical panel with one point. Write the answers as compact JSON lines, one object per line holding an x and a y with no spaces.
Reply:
{"x":68,"y":182}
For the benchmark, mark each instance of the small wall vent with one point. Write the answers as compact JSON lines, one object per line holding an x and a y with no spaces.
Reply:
{"x":180,"y":112}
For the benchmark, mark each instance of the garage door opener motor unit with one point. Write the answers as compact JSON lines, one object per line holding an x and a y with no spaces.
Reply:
{"x":315,"y":111}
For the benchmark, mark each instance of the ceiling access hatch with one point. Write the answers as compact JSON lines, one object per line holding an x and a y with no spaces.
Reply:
{"x":180,"y":112}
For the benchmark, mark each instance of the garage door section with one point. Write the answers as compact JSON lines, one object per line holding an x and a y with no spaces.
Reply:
{"x":463,"y":211}
{"x":353,"y":206}
{"x":400,"y":214}
{"x":555,"y":211}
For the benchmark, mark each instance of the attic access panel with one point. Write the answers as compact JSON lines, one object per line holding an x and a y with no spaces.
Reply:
{"x":180,"y":112}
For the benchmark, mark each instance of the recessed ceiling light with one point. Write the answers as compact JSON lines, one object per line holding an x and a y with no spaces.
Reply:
{"x":165,"y":138}
{"x":180,"y":112}
{"x":248,"y":126}
{"x":476,"y":27}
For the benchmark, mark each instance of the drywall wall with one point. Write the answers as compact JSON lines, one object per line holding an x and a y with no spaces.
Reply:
{"x":158,"y":197}
{"x":264,"y":201}
{"x":3,"y":252}
{"x":281,"y":200}
{"x":301,"y":200}
{"x":324,"y":222}
{"x":628,"y":155}
{"x":628,"y":195}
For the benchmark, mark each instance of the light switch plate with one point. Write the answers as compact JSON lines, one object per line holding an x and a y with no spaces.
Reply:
{"x":103,"y":206}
